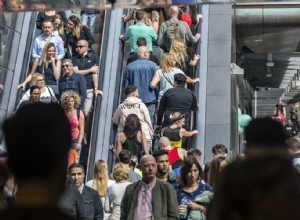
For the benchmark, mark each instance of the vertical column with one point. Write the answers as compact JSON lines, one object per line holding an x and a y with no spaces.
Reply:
{"x":215,"y":83}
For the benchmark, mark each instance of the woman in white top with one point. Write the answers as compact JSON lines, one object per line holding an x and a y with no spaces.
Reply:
{"x":116,"y":191}
{"x":100,"y":181}
{"x":47,"y":94}
{"x":165,"y":75}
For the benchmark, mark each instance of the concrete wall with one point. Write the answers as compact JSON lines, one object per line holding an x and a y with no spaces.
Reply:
{"x":215,"y":82}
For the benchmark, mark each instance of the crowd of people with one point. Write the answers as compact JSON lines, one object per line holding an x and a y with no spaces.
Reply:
{"x":163,"y":180}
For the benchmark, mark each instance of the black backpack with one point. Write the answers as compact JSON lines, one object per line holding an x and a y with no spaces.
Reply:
{"x":174,"y":32}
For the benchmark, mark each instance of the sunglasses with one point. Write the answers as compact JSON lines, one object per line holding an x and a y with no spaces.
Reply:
{"x":56,"y":24}
{"x":63,"y":66}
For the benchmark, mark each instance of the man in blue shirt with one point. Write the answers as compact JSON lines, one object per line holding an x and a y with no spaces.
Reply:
{"x":45,"y":37}
{"x":72,"y":81}
{"x":140,"y":74}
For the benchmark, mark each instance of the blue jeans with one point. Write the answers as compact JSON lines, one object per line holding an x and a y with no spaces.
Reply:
{"x":92,"y":18}
{"x":151,"y":108}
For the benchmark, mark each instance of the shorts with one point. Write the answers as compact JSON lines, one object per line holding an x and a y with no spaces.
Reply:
{"x":88,"y":102}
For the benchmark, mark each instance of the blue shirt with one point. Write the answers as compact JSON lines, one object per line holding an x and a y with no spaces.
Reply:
{"x":140,"y":74}
{"x":76,"y":83}
{"x":40,"y":42}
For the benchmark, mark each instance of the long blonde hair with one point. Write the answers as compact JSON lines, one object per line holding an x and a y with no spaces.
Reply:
{"x":43,"y":58}
{"x":61,"y":29}
{"x":178,"y":50}
{"x":167,"y":62}
{"x":77,"y":25}
{"x":101,"y":177}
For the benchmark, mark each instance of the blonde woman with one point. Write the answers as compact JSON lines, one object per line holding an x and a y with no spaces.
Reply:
{"x":47,"y":65}
{"x":58,"y":27}
{"x":178,"y":49}
{"x":116,"y":191}
{"x":47,"y":94}
{"x":70,"y":102}
{"x":165,"y":74}
{"x":100,"y":181}
{"x":77,"y":32}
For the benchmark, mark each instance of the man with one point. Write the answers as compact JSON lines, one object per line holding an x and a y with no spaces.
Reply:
{"x":163,"y":170}
{"x":45,"y":37}
{"x":140,"y":74}
{"x":133,"y":105}
{"x":125,"y":158}
{"x":185,"y":29}
{"x":91,"y":198}
{"x":290,"y":129}
{"x":175,"y":153}
{"x":37,"y":139}
{"x":178,"y":99}
{"x":219,"y":150}
{"x":86,"y":63}
{"x":294,"y":148}
{"x":149,"y":198}
{"x":141,"y":41}
{"x":141,"y":29}
{"x":72,"y":81}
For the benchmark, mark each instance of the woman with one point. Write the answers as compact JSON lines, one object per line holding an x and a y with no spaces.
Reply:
{"x":58,"y":27}
{"x":182,"y":59}
{"x":77,"y":31}
{"x":279,"y":111}
{"x":132,"y":138}
{"x":100,"y":181}
{"x":190,"y":188}
{"x":48,"y":65}
{"x":216,"y":167}
{"x":46,"y":93}
{"x":70,"y":102}
{"x":116,"y":191}
{"x":165,"y":75}
{"x":34,"y":96}
{"x":175,"y":131}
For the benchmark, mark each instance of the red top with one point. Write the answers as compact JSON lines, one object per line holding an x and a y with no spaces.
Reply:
{"x":173,"y":155}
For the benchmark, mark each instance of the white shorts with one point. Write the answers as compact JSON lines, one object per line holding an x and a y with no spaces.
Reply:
{"x":88,"y":102}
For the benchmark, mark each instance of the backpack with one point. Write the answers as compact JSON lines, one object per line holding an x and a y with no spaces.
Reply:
{"x":186,"y":17}
{"x":174,"y":32}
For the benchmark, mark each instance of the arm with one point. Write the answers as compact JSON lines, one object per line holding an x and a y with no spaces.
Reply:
{"x":196,"y":207}
{"x":94,"y":70}
{"x":98,"y":208}
{"x":117,"y":115}
{"x":82,"y":89}
{"x":56,"y":66}
{"x":147,"y":119}
{"x":185,"y":133}
{"x":125,"y":205}
{"x":144,"y":142}
{"x":284,"y":112}
{"x":60,"y":48}
{"x":188,"y":33}
{"x":119,"y":144}
{"x":35,"y":50}
{"x":161,"y":109}
{"x":88,"y":35}
{"x":81,"y":131}
{"x":182,"y":153}
{"x":162,"y":30}
{"x":194,"y":104}
{"x":190,"y":80}
{"x":29,"y":77}
{"x":194,"y":61}
{"x":107,"y":202}
{"x":155,"y":80}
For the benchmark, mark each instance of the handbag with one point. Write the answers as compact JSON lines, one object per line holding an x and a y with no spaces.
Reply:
{"x":53,"y":99}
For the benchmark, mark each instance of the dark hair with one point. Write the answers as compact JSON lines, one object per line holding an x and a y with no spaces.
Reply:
{"x":215,"y":170}
{"x":186,"y":167}
{"x":75,"y":165}
{"x":130,"y":89}
{"x":139,"y":14}
{"x":141,"y":41}
{"x":180,"y":79}
{"x":37,"y":139}
{"x":132,"y":126}
{"x":46,"y":21}
{"x":266,"y":133}
{"x":34,"y":87}
{"x":219,"y":149}
{"x":159,"y":153}
{"x":194,"y":152}
{"x":245,"y":184}
{"x":125,"y":156}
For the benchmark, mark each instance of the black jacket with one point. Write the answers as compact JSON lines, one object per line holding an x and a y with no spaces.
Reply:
{"x":92,"y":204}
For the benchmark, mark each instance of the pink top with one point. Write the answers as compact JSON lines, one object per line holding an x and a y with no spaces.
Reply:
{"x":75,"y":125}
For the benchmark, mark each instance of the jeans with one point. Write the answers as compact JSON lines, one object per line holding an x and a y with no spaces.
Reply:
{"x":151,"y":108}
{"x":92,"y":18}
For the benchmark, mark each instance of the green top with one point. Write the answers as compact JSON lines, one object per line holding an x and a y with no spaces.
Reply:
{"x":140,"y":30}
